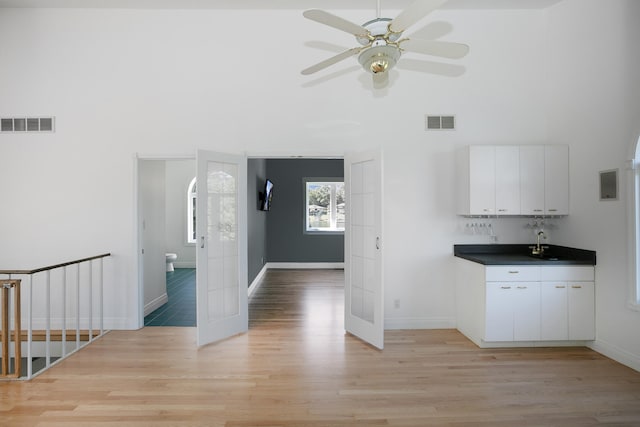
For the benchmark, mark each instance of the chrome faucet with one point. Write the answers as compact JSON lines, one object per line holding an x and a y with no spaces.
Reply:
{"x":538,"y":249}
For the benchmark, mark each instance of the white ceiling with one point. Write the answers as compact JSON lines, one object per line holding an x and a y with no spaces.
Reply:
{"x":271,"y":5}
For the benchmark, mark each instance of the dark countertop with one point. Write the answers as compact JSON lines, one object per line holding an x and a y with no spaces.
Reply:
{"x":521,"y":255}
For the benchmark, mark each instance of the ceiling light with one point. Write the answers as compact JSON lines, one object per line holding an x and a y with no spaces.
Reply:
{"x":379,"y":59}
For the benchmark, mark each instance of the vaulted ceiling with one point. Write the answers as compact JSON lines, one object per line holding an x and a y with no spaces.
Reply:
{"x":265,"y":4}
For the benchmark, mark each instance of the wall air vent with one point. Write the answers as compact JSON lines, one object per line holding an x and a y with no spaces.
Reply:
{"x":440,"y":122}
{"x":26,"y":124}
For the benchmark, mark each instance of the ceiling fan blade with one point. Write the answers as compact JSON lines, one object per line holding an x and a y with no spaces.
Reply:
{"x":413,"y":13}
{"x":435,"y":47}
{"x":334,"y":59}
{"x":334,"y":21}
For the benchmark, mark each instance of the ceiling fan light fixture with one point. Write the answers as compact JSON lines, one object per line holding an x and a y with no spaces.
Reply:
{"x":379,"y":59}
{"x":379,"y":66}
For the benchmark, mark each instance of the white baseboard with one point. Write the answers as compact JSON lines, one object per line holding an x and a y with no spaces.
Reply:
{"x":420,"y":323}
{"x":257,"y":281}
{"x":530,"y":344}
{"x":119,"y":323}
{"x":306,"y":265}
{"x":616,"y":353}
{"x":156,"y":303}
{"x":184,"y":264}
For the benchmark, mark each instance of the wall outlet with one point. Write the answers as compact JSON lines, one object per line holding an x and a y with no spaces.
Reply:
{"x":396,"y":303}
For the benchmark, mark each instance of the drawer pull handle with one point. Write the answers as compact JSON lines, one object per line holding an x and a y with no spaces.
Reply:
{"x":560,"y":286}
{"x":553,"y":210}
{"x":576,"y":287}
{"x":514,"y":272}
{"x":505,"y":287}
{"x":537,"y":210}
{"x":522,"y":287}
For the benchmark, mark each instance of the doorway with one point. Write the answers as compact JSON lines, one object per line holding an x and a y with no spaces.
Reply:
{"x":168,"y":297}
{"x":283,"y":232}
{"x":363,"y":291}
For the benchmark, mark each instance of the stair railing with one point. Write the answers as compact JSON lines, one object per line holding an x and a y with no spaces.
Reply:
{"x":57,"y":287}
{"x":5,"y":296}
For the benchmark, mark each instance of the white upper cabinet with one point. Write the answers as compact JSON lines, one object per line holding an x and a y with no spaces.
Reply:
{"x":556,"y":179}
{"x":477,"y":166}
{"x":530,"y":180}
{"x":507,"y":180}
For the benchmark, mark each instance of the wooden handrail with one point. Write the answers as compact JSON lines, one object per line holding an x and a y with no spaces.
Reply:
{"x":5,"y":288}
{"x":51,"y":267}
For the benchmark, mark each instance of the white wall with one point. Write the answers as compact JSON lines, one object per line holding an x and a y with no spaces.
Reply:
{"x":594,"y":64}
{"x":179,"y":174}
{"x":166,"y":82}
{"x":169,"y":81}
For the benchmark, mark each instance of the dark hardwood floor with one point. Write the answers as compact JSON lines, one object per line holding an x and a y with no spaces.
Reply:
{"x":297,"y":367}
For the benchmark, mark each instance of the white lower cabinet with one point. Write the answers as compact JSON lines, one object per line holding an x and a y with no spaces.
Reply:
{"x":567,"y":311}
{"x":498,"y":305}
{"x":554,"y":314}
{"x":512,"y":311}
{"x":582,"y":307}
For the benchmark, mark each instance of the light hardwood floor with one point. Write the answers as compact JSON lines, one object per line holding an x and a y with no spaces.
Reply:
{"x":296,"y":367}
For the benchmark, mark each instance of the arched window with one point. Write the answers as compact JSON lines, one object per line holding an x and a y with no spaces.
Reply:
{"x":191,"y":212}
{"x":634,"y":227}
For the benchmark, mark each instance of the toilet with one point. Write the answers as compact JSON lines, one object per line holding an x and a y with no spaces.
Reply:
{"x":171,"y":258}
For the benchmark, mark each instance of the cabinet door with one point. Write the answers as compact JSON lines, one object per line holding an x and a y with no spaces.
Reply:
{"x":532,"y":180}
{"x":526,"y":311}
{"x":556,"y":175}
{"x":482,"y":180}
{"x":499,"y":312}
{"x":507,"y":160}
{"x":582,"y":311}
{"x":554,"y":322}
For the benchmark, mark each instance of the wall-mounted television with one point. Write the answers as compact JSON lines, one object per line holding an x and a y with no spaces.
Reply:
{"x":264,"y":197}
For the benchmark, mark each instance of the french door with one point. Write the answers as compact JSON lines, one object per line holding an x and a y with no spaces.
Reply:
{"x":364,"y":282}
{"x":221,"y":255}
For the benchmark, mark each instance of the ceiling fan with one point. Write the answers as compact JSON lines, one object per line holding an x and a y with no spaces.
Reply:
{"x":380,"y":38}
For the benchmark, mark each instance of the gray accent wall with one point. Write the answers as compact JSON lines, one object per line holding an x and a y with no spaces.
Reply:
{"x":256,"y":219}
{"x":286,"y":240}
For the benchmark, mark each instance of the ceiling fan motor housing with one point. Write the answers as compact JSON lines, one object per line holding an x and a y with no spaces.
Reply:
{"x":378,"y":28}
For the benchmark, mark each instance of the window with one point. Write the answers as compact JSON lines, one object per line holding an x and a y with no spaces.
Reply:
{"x":634,"y":232}
{"x":191,"y":212}
{"x":324,"y":205}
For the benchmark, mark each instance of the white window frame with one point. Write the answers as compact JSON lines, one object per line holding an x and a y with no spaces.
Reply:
{"x":633,"y":173}
{"x":191,"y":212}
{"x":333,"y":206}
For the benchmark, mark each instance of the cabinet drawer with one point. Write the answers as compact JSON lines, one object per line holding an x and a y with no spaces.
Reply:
{"x":513,"y":273}
{"x":567,"y":273}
